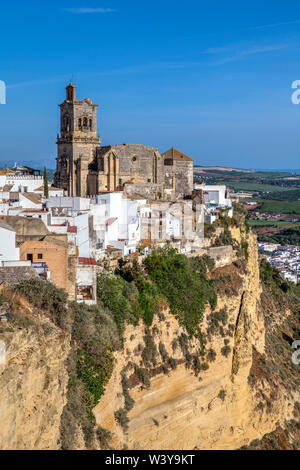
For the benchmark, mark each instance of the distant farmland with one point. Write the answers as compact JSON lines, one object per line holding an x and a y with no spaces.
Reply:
{"x":271,"y":223}
{"x":283,"y":207}
{"x":254,"y":187}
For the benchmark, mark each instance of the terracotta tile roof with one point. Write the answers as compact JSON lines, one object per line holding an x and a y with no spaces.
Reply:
{"x":50,"y":188}
{"x":32,"y":197}
{"x":110,"y":221}
{"x":7,"y":187}
{"x":5,"y":171}
{"x":87,"y":261}
{"x":176,"y":155}
{"x":72,"y":229}
{"x":35,"y":211}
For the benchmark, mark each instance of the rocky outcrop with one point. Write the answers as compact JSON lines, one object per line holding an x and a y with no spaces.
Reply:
{"x":33,"y":384}
{"x":218,"y":409}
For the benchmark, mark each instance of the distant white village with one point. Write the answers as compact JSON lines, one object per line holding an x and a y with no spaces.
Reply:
{"x":69,"y":239}
{"x":286,"y":259}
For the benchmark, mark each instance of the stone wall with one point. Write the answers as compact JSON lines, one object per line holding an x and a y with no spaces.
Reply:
{"x":222,"y":255}
{"x":146,"y":190}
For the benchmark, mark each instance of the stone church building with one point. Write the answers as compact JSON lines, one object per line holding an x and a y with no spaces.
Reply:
{"x":85,"y":168}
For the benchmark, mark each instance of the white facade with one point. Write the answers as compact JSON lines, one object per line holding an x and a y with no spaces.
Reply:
{"x":86,"y":284}
{"x":81,"y":222}
{"x":121,"y":227}
{"x":22,"y":183}
{"x":26,"y":202}
{"x":214,"y":194}
{"x":215,"y":197}
{"x":73,"y":203}
{"x":8,"y":249}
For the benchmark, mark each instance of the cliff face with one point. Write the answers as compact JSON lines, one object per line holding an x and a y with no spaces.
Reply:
{"x":217,"y":409}
{"x":160,"y":394}
{"x":33,"y":385}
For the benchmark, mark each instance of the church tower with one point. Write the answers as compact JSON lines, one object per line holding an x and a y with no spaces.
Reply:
{"x":77,"y":143}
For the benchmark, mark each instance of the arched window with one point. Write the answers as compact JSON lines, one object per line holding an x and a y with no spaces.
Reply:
{"x":85,"y":122}
{"x":90,"y":123}
{"x":79,"y":122}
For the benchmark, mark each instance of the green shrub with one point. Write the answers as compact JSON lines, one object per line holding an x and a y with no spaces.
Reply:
{"x":224,"y":238}
{"x":46,"y":296}
{"x":186,"y":290}
{"x":163,"y":352}
{"x":90,"y":366}
{"x":174,"y":345}
{"x":173,"y":363}
{"x":148,"y":300}
{"x":202,"y":264}
{"x":146,"y":293}
{"x":216,"y":321}
{"x":211,"y":355}
{"x":245,"y":249}
{"x":114,"y":294}
{"x":122,"y":418}
{"x":225,"y":351}
{"x":129,"y":402}
{"x":142,"y":375}
{"x":196,"y":365}
{"x":104,"y":436}
{"x":149,"y":353}
{"x":91,"y":375}
{"x":222,"y":394}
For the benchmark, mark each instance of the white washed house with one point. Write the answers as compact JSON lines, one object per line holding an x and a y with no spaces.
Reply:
{"x":8,"y":249}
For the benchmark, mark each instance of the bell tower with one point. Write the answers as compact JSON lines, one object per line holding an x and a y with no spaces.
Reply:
{"x":76,"y":144}
{"x":71,"y":92}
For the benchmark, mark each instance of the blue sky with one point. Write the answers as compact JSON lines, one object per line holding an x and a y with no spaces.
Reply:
{"x":212,"y":79}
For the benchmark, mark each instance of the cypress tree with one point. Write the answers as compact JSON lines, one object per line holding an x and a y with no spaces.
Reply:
{"x":46,"y":190}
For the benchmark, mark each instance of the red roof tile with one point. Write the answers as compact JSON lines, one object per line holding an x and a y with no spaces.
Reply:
{"x":35,"y":211}
{"x":111,"y":221}
{"x":87,"y":261}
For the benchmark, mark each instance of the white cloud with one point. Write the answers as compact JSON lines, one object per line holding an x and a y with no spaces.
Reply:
{"x":89,"y":10}
{"x":275,"y":25}
{"x":233,"y":53}
{"x":216,"y":50}
{"x":239,"y":54}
